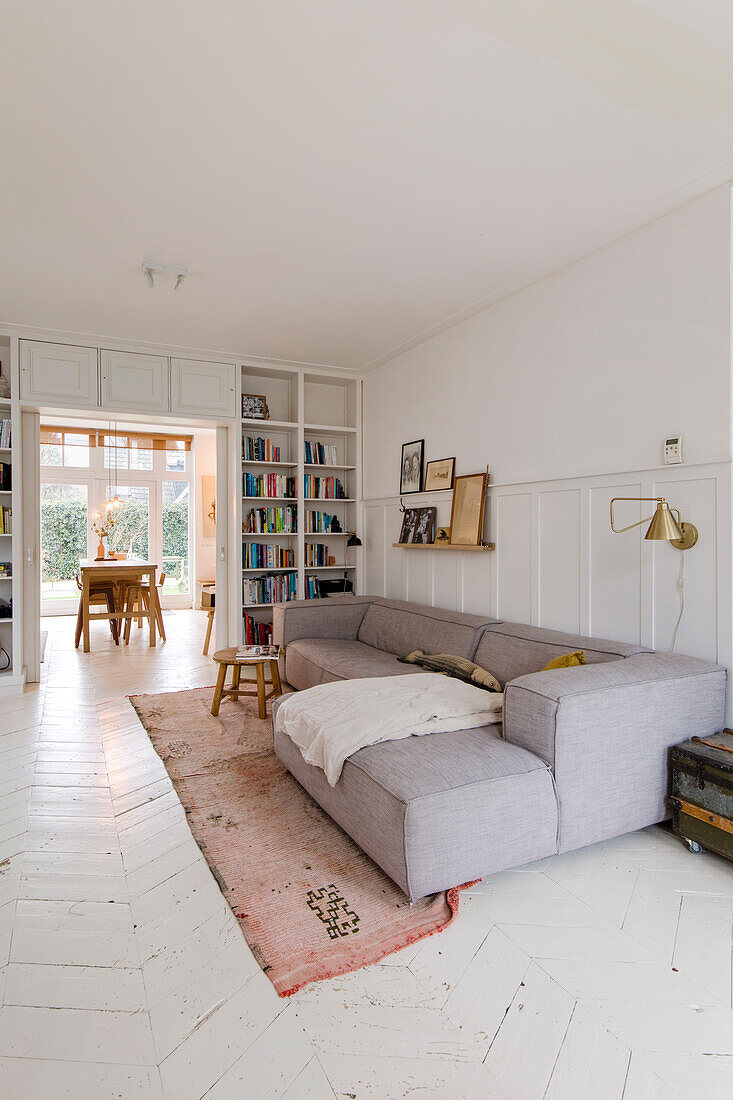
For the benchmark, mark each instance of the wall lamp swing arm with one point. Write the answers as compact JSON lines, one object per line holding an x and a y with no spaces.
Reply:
{"x":639,"y":523}
{"x":662,"y":524}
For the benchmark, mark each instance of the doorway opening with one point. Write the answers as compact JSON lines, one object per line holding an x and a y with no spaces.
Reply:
{"x":143,"y":478}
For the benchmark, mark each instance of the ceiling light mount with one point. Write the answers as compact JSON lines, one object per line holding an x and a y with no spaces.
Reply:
{"x":150,"y":270}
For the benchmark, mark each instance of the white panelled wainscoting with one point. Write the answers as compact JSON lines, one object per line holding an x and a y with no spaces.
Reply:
{"x":558,"y":564}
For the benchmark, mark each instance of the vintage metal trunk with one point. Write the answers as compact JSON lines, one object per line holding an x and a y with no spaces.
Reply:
{"x":702,"y":792}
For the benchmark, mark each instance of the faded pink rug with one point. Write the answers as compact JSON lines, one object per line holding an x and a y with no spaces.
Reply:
{"x":311,"y":904}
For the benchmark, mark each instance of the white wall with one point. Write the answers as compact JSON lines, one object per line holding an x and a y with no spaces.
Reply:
{"x":566,"y":390}
{"x":205,"y":549}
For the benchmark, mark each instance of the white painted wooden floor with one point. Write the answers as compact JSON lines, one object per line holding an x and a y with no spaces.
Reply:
{"x":603,"y":974}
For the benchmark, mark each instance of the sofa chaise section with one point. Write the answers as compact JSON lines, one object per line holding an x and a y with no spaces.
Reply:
{"x":440,"y":809}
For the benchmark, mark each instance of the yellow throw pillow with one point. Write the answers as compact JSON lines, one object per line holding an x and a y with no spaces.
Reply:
{"x":568,"y":660}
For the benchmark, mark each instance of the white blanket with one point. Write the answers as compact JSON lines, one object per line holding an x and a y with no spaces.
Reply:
{"x":330,"y":722}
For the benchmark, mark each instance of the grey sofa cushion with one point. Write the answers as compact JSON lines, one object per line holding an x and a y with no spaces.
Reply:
{"x":311,"y":661}
{"x":399,"y":627}
{"x":513,"y":649}
{"x":337,"y":618}
{"x":606,"y":729}
{"x":438,"y":810}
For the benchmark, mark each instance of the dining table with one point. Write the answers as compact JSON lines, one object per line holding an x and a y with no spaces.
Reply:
{"x":121,"y":573}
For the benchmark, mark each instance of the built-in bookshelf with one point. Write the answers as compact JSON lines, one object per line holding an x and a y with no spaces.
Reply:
{"x":300,"y":488}
{"x":9,"y":539}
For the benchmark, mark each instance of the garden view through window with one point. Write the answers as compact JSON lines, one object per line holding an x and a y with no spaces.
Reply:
{"x":152,"y":520}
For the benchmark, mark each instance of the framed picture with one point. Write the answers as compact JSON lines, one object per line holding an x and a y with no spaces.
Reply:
{"x":423,"y":530}
{"x":439,"y":474}
{"x":443,"y":534}
{"x":467,"y":513}
{"x":411,"y":468}
{"x":408,"y":524}
{"x":254,"y":407}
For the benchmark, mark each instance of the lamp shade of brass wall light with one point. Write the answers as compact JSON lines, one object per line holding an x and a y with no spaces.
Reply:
{"x":662,"y":524}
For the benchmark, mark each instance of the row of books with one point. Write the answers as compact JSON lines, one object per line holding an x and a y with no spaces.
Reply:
{"x":275,"y":588}
{"x":268,"y":485}
{"x":6,"y":476}
{"x":316,"y":553}
{"x":321,"y":522}
{"x":271,"y":521}
{"x":321,"y":454}
{"x":256,"y":633}
{"x":257,"y":449}
{"x":264,"y":555}
{"x":4,"y":433}
{"x":6,"y":521}
{"x":312,"y":588}
{"x":323,"y":488}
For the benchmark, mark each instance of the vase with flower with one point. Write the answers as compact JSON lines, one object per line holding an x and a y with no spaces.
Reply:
{"x":102,"y":527}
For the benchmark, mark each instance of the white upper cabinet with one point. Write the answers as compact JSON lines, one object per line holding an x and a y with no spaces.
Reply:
{"x":138,"y":383}
{"x":202,"y":389}
{"x":58,"y":374}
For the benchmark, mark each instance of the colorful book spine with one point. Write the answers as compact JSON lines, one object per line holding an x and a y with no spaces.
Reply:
{"x":5,"y":434}
{"x":320,"y":454}
{"x":270,"y":521}
{"x":318,"y":522}
{"x":256,"y":633}
{"x":258,"y":449}
{"x":268,"y":485}
{"x":273,"y":588}
{"x":323,"y":488}
{"x":316,"y":554}
{"x":262,"y":555}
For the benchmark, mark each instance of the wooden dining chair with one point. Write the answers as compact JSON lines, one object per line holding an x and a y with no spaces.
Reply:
{"x":99,"y":594}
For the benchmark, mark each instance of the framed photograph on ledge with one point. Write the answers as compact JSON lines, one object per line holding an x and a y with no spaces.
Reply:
{"x":408,"y":524}
{"x":411,"y":467}
{"x":467,"y":514}
{"x":423,"y":531}
{"x":439,"y":474}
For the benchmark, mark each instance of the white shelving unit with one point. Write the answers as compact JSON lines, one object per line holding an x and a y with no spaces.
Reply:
{"x":11,"y":679}
{"x":318,"y":408}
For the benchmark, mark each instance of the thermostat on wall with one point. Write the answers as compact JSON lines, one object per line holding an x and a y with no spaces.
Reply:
{"x":673,"y":450}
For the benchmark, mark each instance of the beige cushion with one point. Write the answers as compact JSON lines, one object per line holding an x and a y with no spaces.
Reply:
{"x":449,"y":664}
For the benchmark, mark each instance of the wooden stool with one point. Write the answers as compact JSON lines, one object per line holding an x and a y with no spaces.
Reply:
{"x":140,"y":604}
{"x":208,"y":599}
{"x":158,"y":611}
{"x":227,"y":658}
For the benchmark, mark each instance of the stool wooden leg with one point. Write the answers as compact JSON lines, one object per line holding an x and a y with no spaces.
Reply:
{"x":148,"y":606}
{"x":236,"y":677}
{"x":261,"y":692}
{"x":209,"y":625}
{"x":112,"y":622}
{"x":129,"y":606}
{"x":277,"y":688}
{"x":218,"y":689}
{"x":155,"y":598}
{"x":79,"y":623}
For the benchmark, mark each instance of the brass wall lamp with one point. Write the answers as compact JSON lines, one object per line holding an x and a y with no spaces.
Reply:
{"x":663,"y":525}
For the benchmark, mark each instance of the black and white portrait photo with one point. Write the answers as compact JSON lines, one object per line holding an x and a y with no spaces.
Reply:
{"x":411,"y":469}
{"x":423,"y":531}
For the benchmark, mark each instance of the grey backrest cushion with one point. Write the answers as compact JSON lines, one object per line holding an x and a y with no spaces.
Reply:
{"x":509,"y":650}
{"x":400,"y":627}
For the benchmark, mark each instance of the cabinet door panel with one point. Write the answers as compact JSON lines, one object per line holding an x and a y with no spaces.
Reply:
{"x":202,"y":389}
{"x":58,"y":374}
{"x":135,"y":382}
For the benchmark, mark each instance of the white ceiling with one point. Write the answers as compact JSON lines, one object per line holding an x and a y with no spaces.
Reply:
{"x":339,"y":176}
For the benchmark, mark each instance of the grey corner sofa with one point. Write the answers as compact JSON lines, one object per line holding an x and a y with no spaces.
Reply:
{"x":581,"y":755}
